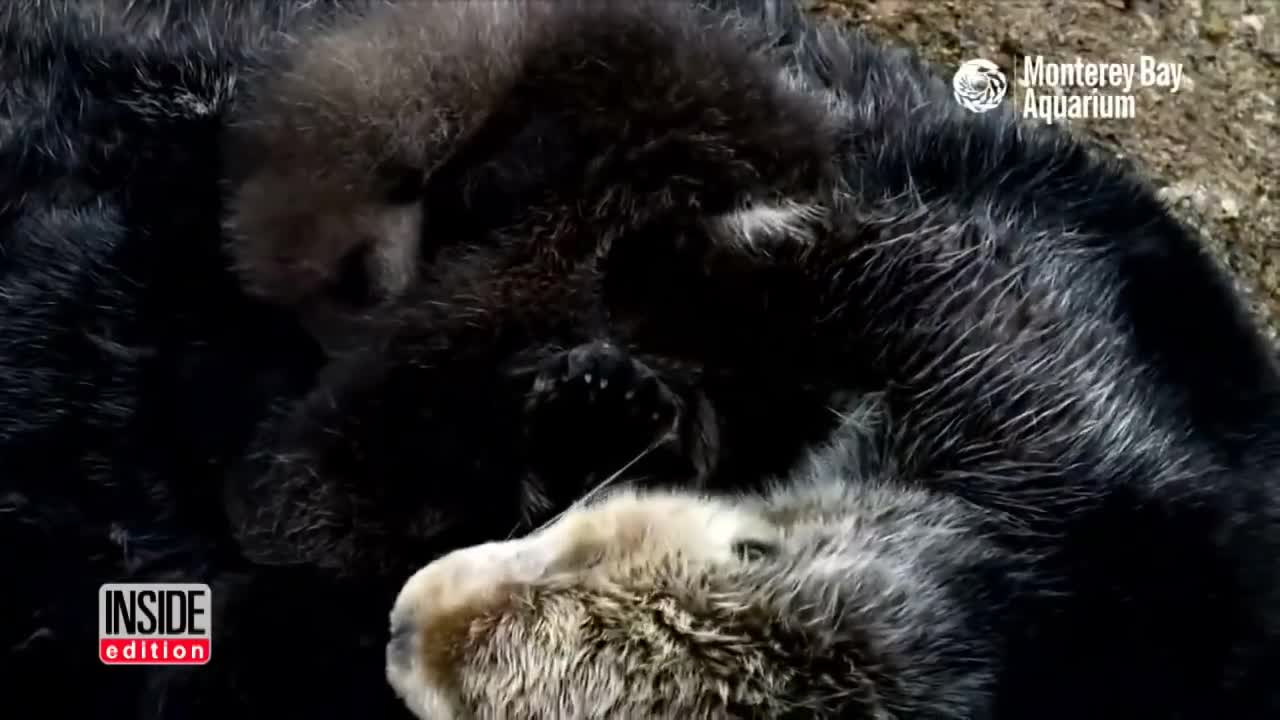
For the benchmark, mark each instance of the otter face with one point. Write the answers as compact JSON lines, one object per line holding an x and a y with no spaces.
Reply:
{"x":657,"y":605}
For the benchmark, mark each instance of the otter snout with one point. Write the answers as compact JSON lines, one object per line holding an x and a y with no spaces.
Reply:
{"x":436,"y":607}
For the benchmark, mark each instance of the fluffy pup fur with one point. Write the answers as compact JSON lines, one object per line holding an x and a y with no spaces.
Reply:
{"x":515,"y":154}
{"x":299,"y":295}
{"x":1068,"y":507}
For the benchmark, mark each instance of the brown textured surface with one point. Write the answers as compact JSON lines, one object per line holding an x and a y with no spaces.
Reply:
{"x":1213,"y":147}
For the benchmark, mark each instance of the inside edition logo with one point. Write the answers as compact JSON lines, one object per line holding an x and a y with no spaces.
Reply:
{"x":154,"y":623}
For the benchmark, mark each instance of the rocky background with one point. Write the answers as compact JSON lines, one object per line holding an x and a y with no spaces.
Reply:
{"x":1213,"y":148}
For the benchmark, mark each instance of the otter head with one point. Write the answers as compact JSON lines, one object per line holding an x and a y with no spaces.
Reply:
{"x":357,"y":151}
{"x":843,"y":592}
{"x":657,"y":605}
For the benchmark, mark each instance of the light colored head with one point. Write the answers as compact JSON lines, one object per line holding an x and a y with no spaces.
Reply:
{"x":640,"y":606}
{"x":841,"y":593}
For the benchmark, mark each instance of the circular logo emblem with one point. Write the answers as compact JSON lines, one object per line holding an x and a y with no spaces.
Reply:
{"x":979,"y":85}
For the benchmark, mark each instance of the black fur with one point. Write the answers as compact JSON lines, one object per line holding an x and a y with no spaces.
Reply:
{"x":165,"y":414}
{"x":1056,"y":351}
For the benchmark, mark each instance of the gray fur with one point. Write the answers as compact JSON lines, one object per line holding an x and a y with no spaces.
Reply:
{"x":856,"y":608}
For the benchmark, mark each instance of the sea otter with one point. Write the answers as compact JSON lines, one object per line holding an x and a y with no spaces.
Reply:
{"x":1060,"y":498}
{"x":297,"y":296}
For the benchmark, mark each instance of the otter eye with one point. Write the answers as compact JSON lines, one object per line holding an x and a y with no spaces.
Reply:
{"x":753,"y":549}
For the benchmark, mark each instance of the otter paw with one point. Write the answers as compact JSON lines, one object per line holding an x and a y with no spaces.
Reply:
{"x":597,"y":399}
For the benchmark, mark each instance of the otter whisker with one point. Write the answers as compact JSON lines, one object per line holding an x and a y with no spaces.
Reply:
{"x":613,"y":477}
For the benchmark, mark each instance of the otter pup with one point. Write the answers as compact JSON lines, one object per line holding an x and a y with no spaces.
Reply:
{"x":445,"y":223}
{"x":1067,"y":508}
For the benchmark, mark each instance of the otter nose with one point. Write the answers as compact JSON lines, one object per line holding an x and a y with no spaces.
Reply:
{"x":462,"y":582}
{"x":400,"y":646}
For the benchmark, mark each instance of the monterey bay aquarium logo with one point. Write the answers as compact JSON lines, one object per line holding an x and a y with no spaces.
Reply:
{"x":1056,"y":91}
{"x":154,"y":623}
{"x":979,"y":85}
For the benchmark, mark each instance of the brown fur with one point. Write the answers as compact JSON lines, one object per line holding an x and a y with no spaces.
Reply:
{"x":332,"y":149}
{"x":439,"y":190}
